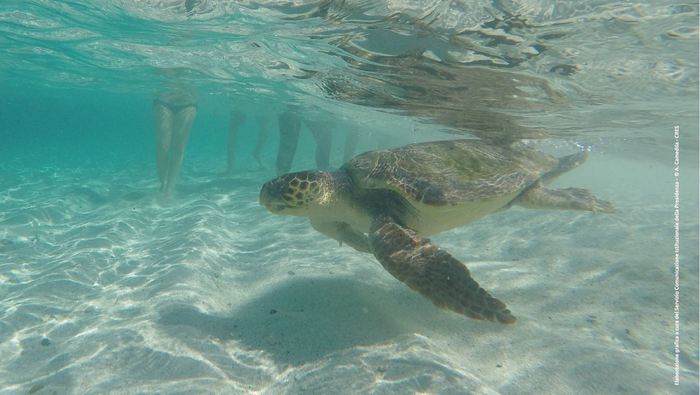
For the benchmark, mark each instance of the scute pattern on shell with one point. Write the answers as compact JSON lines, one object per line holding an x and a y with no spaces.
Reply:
{"x":450,"y":172}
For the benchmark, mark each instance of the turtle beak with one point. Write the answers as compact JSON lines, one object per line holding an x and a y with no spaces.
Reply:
{"x":265,"y":199}
{"x":270,"y":194}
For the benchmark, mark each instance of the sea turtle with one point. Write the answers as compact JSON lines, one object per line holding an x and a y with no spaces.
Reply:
{"x":387,"y":202}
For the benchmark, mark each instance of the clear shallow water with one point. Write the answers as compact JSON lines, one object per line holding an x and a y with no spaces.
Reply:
{"x":107,"y":287}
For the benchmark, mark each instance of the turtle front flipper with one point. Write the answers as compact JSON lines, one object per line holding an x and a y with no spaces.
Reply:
{"x":433,"y":272}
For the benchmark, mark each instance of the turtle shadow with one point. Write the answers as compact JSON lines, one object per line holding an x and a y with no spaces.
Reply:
{"x":302,"y":320}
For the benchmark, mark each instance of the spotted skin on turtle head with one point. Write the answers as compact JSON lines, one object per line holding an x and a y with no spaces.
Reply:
{"x":301,"y":191}
{"x":294,"y":191}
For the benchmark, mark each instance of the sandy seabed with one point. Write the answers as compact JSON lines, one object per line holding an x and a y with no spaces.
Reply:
{"x":107,"y":288}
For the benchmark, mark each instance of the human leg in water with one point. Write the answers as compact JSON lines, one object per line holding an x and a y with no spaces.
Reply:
{"x":164,"y":135}
{"x":236,"y":119}
{"x":321,"y":132}
{"x":181,"y":126}
{"x":289,"y":125}
{"x":351,"y":140}
{"x":263,"y":133}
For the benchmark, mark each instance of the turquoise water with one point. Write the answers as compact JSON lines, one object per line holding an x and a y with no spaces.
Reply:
{"x":108,"y":285}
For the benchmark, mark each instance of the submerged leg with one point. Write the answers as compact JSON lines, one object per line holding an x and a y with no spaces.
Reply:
{"x":263,"y":132}
{"x":433,"y":272}
{"x":164,"y":134}
{"x":351,"y":140}
{"x":321,"y":132}
{"x":234,"y":123}
{"x":289,"y":124}
{"x":182,"y":125}
{"x":538,"y":196}
{"x":344,"y":234}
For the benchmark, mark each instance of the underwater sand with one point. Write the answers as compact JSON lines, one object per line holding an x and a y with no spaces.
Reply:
{"x":107,"y":288}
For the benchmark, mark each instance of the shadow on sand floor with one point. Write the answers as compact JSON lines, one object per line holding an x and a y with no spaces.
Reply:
{"x":302,"y":320}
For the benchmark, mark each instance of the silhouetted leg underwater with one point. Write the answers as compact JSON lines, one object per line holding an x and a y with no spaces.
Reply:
{"x":321,"y":132}
{"x":182,"y":125}
{"x":164,"y":127}
{"x":289,"y":125}
{"x":236,"y":119}
{"x":351,"y":140}
{"x":263,"y":133}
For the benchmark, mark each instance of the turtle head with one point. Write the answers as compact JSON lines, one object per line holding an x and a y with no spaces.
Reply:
{"x":297,"y":193}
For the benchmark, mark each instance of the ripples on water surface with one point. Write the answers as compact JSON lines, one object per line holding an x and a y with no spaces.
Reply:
{"x":107,"y":287}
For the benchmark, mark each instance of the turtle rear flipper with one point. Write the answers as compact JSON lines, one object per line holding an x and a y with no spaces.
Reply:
{"x":538,"y":196}
{"x":433,"y":272}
